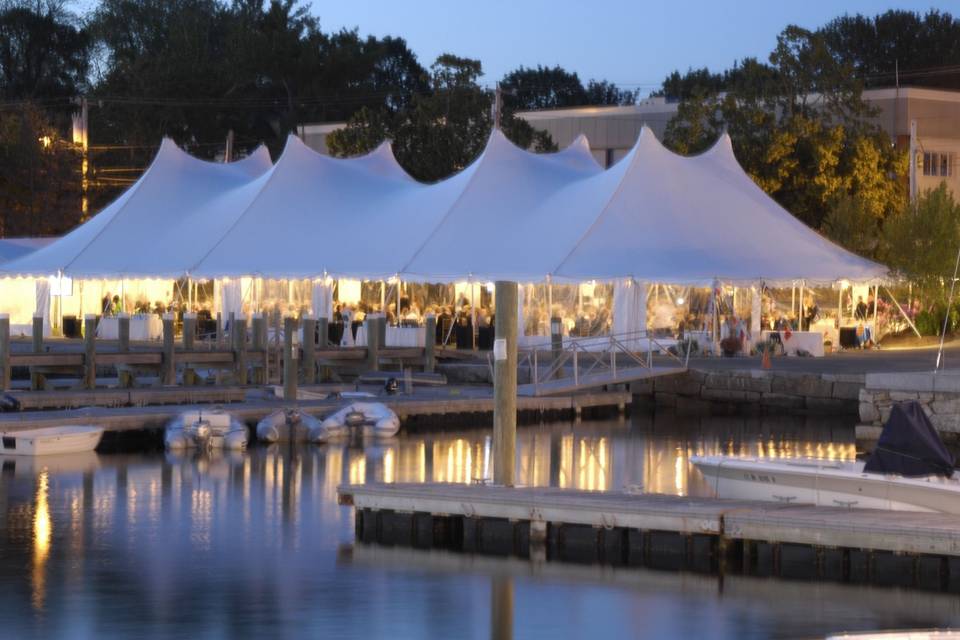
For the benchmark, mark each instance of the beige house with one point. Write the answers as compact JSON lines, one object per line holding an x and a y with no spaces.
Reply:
{"x":612,"y":131}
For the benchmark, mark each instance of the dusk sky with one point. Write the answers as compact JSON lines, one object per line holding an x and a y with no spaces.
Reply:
{"x":632,"y":43}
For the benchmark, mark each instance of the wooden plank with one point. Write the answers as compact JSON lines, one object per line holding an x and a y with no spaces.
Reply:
{"x":46,"y":359}
{"x":132,"y":358}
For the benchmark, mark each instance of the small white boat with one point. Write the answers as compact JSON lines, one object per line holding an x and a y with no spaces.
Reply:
{"x":286,"y":426}
{"x":369,"y":419}
{"x":50,"y":440}
{"x":911,"y":470}
{"x":205,"y":430}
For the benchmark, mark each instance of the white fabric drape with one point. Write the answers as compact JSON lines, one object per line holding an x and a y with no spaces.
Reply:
{"x":321,"y":299}
{"x":629,"y":310}
{"x":231,"y":297}
{"x":43,"y":303}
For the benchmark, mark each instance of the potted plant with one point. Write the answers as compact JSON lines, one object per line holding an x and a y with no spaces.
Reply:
{"x":730,"y":346}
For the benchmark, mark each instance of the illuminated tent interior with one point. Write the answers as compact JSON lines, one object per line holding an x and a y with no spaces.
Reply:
{"x":633,"y":243}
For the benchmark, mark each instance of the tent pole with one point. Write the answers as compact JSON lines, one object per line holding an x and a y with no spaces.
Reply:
{"x":793,"y":298}
{"x":840,"y":306}
{"x":903,"y":313}
{"x":396,"y":316}
{"x":876,"y":309}
{"x":800,"y":308}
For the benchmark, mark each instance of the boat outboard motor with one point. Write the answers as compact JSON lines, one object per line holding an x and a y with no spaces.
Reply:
{"x":909,"y":445}
{"x":392,"y":386}
{"x":9,"y":404}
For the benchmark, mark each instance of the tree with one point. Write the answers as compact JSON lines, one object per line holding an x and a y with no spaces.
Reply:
{"x":443,"y":130}
{"x":921,"y":241}
{"x":799,"y":127}
{"x":851,"y":224}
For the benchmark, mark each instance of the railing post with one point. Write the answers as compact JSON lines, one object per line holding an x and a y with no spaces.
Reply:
{"x":90,"y":351}
{"x":168,"y":372}
{"x":4,"y":352}
{"x":309,"y":364}
{"x":37,"y":380}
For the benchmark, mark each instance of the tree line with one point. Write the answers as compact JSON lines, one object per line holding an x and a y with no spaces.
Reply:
{"x":195,"y":70}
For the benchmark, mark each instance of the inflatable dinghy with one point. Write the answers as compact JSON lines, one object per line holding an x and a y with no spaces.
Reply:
{"x":370,"y":419}
{"x":205,"y":430}
{"x":288,"y":425}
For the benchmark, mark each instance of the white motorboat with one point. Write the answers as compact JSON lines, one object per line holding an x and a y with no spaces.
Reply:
{"x":287,"y":426}
{"x":369,"y":419}
{"x":50,"y":440}
{"x":911,"y":470}
{"x":205,"y":430}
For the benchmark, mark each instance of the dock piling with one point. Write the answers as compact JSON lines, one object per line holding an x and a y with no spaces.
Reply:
{"x":505,"y":383}
{"x":90,"y":351}
{"x":373,"y":341}
{"x":290,"y":349}
{"x":238,"y":329}
{"x":189,"y":336}
{"x":4,"y":351}
{"x":123,"y":333}
{"x":309,"y":364}
{"x":430,"y":343}
{"x":37,"y":379}
{"x":259,"y":345}
{"x":168,"y":371}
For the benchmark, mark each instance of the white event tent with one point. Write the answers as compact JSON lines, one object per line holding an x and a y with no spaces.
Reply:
{"x":654,"y":217}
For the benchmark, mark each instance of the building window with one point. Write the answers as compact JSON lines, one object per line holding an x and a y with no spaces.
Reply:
{"x":937,"y":164}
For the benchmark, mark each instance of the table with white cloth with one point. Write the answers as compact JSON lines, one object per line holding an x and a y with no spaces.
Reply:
{"x":793,"y":341}
{"x":396,"y":336}
{"x":142,"y":327}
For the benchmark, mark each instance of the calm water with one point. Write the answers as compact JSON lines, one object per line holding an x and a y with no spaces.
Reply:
{"x":254,"y":545}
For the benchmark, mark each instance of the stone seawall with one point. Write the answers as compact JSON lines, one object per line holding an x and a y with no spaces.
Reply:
{"x":756,"y":389}
{"x":938,"y":393}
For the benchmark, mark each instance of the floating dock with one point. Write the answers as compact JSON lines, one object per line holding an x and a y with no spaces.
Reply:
{"x":144,"y":409}
{"x":661,"y":531}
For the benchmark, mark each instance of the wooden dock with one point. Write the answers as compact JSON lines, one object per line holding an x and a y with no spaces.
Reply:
{"x":124,"y":410}
{"x":634,"y":529}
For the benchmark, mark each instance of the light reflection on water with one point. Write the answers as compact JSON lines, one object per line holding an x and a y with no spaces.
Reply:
{"x":253,"y":544}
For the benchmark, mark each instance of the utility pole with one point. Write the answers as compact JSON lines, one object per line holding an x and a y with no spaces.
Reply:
{"x":81,"y":138}
{"x":913,"y":160}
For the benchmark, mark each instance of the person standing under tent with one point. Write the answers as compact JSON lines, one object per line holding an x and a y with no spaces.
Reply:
{"x":861,"y":311}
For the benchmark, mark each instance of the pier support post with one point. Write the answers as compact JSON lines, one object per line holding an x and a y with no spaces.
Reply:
{"x":124,"y":372}
{"x":430,"y":344}
{"x":238,"y":329}
{"x":90,"y":351}
{"x":323,"y":341}
{"x":290,"y":349}
{"x":259,"y":331}
{"x":123,"y":333}
{"x":168,"y":372}
{"x":505,"y":383}
{"x":4,"y":351}
{"x":189,"y":336}
{"x":556,"y":343}
{"x":37,"y":380}
{"x":373,"y":342}
{"x":309,"y":363}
